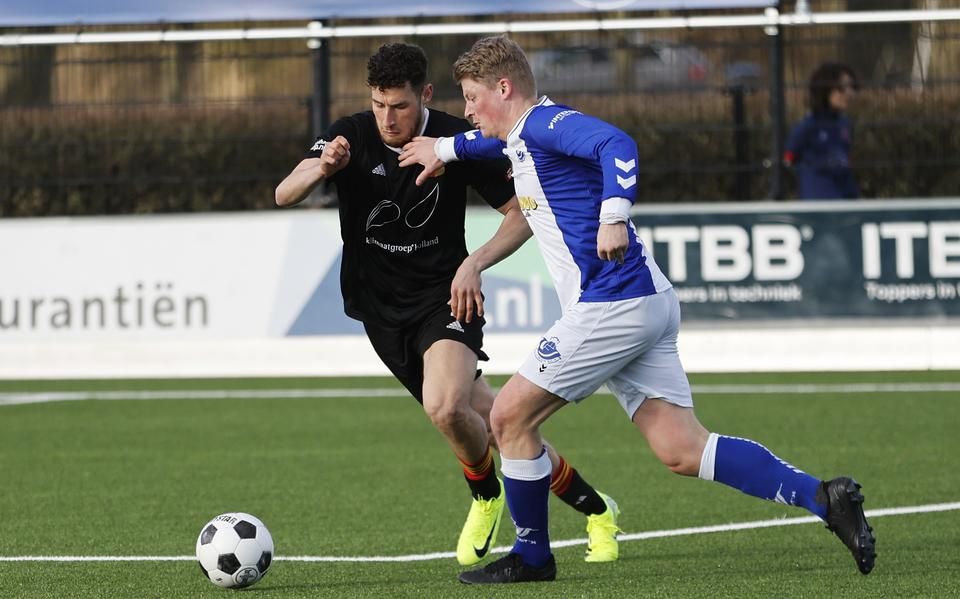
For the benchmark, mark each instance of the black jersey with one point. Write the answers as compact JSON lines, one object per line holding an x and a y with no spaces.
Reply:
{"x":402,"y":244}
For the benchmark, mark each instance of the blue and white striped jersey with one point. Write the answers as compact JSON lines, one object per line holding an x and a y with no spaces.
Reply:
{"x":565,"y":164}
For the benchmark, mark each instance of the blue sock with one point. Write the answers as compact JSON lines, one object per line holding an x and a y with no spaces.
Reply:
{"x":746,"y":465}
{"x":527,"y":484}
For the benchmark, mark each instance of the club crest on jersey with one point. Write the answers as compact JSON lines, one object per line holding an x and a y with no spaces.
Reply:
{"x":547,"y":351}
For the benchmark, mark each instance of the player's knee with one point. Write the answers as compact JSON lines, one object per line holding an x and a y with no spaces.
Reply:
{"x":508,"y":422}
{"x":497,"y":422}
{"x":445,"y":413}
{"x":501,"y":423}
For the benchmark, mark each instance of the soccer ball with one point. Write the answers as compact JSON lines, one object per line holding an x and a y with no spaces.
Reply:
{"x":234,"y":550}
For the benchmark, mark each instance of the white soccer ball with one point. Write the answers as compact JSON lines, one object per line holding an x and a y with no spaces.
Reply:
{"x":234,"y":550}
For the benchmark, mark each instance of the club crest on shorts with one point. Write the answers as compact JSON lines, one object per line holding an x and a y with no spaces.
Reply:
{"x":547,"y":351}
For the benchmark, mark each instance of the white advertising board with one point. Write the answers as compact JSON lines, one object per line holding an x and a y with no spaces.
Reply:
{"x":257,"y":294}
{"x":160,"y":277}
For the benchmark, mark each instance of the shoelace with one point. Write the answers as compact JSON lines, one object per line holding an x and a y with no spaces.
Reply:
{"x":486,"y":505}
{"x":595,"y":522}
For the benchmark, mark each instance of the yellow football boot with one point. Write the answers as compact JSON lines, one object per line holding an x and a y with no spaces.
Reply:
{"x":602,"y":530}
{"x":480,"y":530}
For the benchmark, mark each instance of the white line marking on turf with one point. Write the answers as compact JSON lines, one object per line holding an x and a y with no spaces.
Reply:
{"x":638,"y":536}
{"x":27,"y":397}
{"x":45,"y":396}
{"x":829,"y":388}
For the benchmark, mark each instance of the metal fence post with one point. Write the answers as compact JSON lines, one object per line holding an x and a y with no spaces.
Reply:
{"x":741,"y":143}
{"x":320,"y":96}
{"x":777,"y":110}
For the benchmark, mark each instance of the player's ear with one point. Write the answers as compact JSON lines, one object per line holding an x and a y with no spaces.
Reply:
{"x":427,"y":94}
{"x":504,"y":87}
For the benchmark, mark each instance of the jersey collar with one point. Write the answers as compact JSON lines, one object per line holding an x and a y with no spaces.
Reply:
{"x":542,"y":101}
{"x":423,"y":127}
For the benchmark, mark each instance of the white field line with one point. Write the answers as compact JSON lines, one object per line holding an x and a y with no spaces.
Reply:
{"x":27,"y":397}
{"x":639,"y":536}
{"x":45,"y":396}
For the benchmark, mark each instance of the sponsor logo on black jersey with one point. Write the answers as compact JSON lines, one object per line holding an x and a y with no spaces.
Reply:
{"x":386,"y":212}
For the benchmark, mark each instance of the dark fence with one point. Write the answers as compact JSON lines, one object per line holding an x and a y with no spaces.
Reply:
{"x":129,"y":128}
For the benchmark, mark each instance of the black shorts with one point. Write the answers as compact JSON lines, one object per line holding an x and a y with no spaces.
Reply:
{"x":402,"y":349}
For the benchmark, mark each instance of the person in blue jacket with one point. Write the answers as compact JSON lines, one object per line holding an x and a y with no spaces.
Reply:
{"x":819,"y":145}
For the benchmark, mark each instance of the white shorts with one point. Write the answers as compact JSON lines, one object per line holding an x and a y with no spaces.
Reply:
{"x":631,"y":345}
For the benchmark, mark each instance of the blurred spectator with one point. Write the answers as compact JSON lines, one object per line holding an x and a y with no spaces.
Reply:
{"x":819,"y":145}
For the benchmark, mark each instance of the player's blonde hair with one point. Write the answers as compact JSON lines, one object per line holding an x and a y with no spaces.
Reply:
{"x":495,"y":57}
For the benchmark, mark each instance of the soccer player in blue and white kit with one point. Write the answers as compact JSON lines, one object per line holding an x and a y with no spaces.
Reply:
{"x":576,"y":179}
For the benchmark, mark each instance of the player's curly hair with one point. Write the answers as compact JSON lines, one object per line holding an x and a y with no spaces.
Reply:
{"x":395,"y":65}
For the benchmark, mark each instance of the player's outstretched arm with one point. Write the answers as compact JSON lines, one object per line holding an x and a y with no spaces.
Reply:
{"x":465,"y":297}
{"x":420,"y":151}
{"x":469,"y":145}
{"x":433,"y":153}
{"x":311,"y":171}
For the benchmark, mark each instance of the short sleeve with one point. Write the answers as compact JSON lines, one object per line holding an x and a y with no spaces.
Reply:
{"x":491,"y":179}
{"x":345,"y":127}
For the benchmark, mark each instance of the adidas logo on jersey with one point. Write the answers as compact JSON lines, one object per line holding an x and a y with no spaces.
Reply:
{"x":456,"y":326}
{"x":379,"y":170}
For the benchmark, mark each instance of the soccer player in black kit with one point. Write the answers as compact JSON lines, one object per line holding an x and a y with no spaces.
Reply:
{"x":402,"y":247}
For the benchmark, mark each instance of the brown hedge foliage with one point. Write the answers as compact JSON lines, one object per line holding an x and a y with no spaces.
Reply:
{"x":230,"y":156}
{"x":151,"y":159}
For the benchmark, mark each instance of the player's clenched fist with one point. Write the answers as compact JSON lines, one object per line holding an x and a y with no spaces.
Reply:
{"x":612,"y":242}
{"x":336,"y":155}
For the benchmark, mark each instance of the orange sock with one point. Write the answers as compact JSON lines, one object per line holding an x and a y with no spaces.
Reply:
{"x":561,"y":477}
{"x":567,"y":484}
{"x":482,"y":477}
{"x":481,"y":469}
